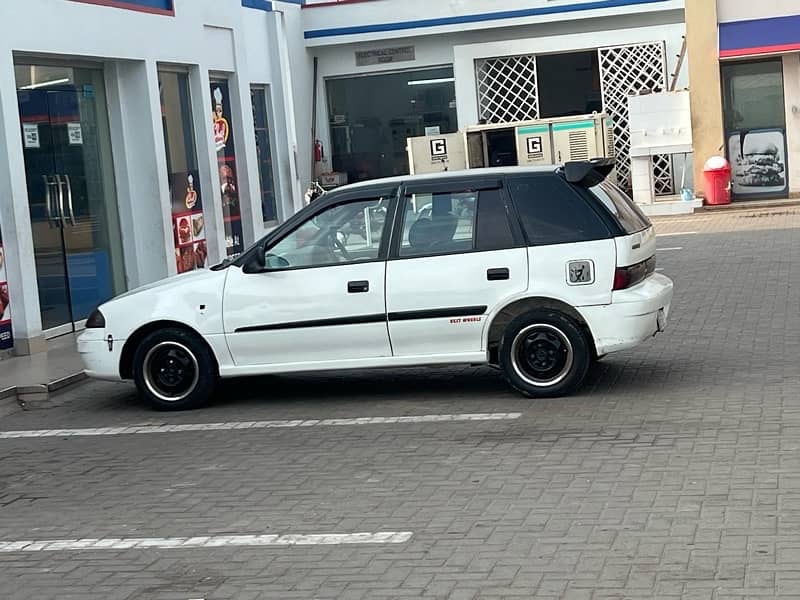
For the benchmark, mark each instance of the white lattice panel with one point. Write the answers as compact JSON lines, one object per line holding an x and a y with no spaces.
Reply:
{"x":507,"y":89}
{"x":626,"y":71}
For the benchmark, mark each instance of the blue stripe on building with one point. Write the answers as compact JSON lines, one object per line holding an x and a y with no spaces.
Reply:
{"x":477,"y":18}
{"x":757,"y":33}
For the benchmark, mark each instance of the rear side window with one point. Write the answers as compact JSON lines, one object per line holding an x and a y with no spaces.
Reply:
{"x":551,"y":212}
{"x":629,"y":216}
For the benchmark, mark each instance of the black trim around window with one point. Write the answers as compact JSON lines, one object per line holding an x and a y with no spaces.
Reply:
{"x":406,"y":315}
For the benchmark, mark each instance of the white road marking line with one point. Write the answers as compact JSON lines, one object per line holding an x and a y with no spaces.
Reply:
{"x":676,"y":233}
{"x":659,"y":269}
{"x":99,"y":431}
{"x":669,"y":249}
{"x":214,"y":541}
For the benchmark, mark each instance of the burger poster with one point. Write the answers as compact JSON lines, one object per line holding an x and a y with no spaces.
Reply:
{"x":226,"y":163}
{"x":758,"y":162}
{"x":188,"y":223}
{"x":6,"y":336}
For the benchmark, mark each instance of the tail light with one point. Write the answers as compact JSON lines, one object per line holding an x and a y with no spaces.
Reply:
{"x":625,"y":277}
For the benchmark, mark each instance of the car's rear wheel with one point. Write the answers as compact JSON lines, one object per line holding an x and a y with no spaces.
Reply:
{"x":544,"y":354}
{"x":174,"y":369}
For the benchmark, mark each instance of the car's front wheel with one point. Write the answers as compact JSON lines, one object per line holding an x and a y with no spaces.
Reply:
{"x":174,"y":369}
{"x":544,"y":354}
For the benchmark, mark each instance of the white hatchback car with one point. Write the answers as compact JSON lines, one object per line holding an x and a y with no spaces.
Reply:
{"x":538,"y":271}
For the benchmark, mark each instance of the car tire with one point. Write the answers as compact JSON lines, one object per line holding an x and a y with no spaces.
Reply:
{"x":544,"y":353}
{"x":174,"y":369}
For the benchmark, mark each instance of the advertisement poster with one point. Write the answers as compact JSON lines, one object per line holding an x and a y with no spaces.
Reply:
{"x":226,"y":162}
{"x":188,"y":224}
{"x":6,"y":337}
{"x":758,"y":162}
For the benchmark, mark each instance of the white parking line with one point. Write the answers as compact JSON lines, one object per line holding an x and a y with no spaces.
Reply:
{"x":669,"y":249}
{"x":676,"y":233}
{"x":96,"y":431}
{"x":208,"y":541}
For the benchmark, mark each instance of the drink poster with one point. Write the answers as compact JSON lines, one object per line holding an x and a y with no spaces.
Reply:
{"x":226,"y":162}
{"x":6,"y":336}
{"x":188,"y":224}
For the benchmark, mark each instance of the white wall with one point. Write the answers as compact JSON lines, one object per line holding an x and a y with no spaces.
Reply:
{"x":461,"y":49}
{"x":204,"y":36}
{"x":743,"y":10}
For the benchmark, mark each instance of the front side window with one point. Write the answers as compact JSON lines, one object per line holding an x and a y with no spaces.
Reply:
{"x":551,"y":212}
{"x":345,"y":233}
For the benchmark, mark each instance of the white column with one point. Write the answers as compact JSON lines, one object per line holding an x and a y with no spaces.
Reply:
{"x":16,"y":223}
{"x":642,"y":179}
{"x":791,"y":87}
{"x":140,"y":167}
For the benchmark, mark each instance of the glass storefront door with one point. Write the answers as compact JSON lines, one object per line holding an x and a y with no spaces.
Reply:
{"x":755,"y":128}
{"x":73,"y":207}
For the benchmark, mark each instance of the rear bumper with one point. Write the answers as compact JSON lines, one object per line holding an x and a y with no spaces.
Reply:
{"x":99,"y":361}
{"x":633,"y":315}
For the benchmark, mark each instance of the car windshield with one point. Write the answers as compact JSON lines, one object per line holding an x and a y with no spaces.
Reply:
{"x":629,"y":216}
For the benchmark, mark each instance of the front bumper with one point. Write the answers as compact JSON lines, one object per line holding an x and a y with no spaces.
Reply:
{"x":633,"y":315}
{"x":100,"y":358}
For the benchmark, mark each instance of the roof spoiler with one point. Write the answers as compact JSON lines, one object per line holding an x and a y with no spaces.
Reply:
{"x":588,"y":173}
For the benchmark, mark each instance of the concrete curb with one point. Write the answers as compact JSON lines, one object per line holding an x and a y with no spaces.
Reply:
{"x":30,"y":397}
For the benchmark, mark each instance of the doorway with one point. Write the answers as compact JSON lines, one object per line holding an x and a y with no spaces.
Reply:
{"x":71,"y":193}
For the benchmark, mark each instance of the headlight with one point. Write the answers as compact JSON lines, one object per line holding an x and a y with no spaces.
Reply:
{"x":96,"y":320}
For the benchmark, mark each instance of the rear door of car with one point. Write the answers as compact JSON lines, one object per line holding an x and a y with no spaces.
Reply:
{"x":571,"y":248}
{"x":455,"y":256}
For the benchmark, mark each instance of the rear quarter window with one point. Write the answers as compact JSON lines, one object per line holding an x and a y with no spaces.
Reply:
{"x":551,"y":212}
{"x":625,"y":211}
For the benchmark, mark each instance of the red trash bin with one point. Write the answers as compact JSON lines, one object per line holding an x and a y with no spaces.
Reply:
{"x":717,"y":173}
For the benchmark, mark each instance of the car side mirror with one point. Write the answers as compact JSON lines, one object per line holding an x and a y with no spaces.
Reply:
{"x":256,"y":263}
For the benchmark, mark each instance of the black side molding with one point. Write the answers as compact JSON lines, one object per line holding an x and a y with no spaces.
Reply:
{"x":356,"y":320}
{"x":437,"y":313}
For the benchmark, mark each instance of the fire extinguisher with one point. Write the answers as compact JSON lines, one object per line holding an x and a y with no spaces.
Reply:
{"x":319,"y":154}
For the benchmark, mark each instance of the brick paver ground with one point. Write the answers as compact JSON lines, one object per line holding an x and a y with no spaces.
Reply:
{"x":675,"y":473}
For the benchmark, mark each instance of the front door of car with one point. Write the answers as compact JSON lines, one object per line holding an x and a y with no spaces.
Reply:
{"x":321,"y":297}
{"x":455,"y":257}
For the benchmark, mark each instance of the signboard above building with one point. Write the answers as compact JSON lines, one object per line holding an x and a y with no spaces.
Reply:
{"x":380,"y":56}
{"x":759,"y":37}
{"x":156,"y":7}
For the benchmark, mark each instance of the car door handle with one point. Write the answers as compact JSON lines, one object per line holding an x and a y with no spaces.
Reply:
{"x":357,"y":287}
{"x":497,"y":274}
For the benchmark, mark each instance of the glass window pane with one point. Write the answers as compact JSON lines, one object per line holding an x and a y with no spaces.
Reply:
{"x":753,"y":95}
{"x":494,"y":230}
{"x":372,"y":116}
{"x":552,"y":213}
{"x":269,"y":206}
{"x":345,"y":233}
{"x":188,"y":222}
{"x":628,"y":214}
{"x":441,"y":223}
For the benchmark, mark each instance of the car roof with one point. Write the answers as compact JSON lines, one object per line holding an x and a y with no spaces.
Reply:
{"x":475,"y":173}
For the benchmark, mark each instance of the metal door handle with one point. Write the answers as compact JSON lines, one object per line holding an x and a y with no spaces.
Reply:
{"x":48,"y":200}
{"x":60,"y":198}
{"x":69,"y":200}
{"x":357,"y":287}
{"x":498,"y":274}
